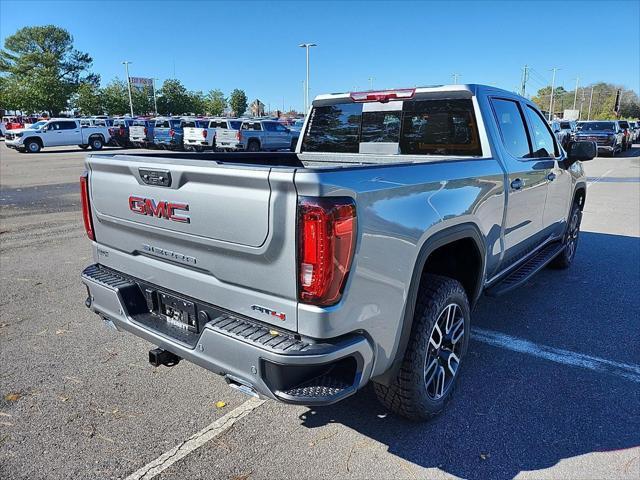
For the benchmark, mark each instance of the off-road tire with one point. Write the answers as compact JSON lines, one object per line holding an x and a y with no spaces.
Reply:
{"x":570,"y":240}
{"x":406,"y":395}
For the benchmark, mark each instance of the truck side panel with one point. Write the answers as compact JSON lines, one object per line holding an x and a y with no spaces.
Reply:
{"x":398,"y":209}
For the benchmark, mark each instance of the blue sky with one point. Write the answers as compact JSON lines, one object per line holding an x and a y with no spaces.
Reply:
{"x":253,"y":45}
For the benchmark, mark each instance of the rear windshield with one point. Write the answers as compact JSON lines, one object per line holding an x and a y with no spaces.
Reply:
{"x":162,"y":124}
{"x":175,"y":123}
{"x":624,"y":124}
{"x":422,"y":127}
{"x":218,"y":124}
{"x":565,"y":125}
{"x":594,"y":126}
{"x":139,"y":123}
{"x":235,"y":124}
{"x":194,"y":123}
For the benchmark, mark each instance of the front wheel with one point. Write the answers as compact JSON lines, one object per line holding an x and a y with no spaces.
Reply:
{"x":570,"y":240}
{"x":33,"y":146}
{"x":439,"y":340}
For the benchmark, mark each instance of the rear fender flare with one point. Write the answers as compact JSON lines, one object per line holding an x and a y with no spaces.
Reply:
{"x":437,"y":240}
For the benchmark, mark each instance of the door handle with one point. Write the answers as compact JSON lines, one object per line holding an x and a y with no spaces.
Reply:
{"x":551,"y":177}
{"x":517,"y":184}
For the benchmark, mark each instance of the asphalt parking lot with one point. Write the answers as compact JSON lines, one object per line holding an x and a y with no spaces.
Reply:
{"x":550,"y":387}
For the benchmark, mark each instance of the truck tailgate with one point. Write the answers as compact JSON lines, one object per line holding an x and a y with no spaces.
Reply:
{"x":231,"y":227}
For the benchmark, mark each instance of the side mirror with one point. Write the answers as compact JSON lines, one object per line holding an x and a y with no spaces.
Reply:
{"x":582,"y":151}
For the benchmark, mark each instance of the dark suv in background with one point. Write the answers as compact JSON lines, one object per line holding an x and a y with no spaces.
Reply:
{"x":606,"y":133}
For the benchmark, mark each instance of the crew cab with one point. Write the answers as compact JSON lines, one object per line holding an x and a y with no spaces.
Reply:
{"x":226,"y":132}
{"x":141,"y":132}
{"x":606,"y":133}
{"x":256,"y":135}
{"x":120,"y":132}
{"x":58,"y":132}
{"x":303,"y":276}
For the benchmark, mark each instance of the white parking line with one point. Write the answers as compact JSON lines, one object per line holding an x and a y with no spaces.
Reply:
{"x":178,"y":452}
{"x":558,"y":355}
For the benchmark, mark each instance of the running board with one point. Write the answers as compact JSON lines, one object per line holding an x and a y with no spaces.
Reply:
{"x":525,"y":271}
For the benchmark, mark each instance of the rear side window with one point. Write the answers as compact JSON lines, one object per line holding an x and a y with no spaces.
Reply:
{"x":544,"y":144}
{"x":67,"y":125}
{"x":512,"y":129}
{"x":439,"y":127}
{"x":269,"y":126}
{"x":334,"y":128}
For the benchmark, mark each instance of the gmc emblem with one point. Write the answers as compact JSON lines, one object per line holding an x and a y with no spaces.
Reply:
{"x":166,"y":210}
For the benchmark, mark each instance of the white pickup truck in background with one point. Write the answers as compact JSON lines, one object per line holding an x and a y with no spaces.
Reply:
{"x":58,"y":132}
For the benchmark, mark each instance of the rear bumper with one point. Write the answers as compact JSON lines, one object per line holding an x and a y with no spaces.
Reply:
{"x":252,"y":356}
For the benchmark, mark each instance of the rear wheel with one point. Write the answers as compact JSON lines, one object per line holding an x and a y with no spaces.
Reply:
{"x":570,"y":240}
{"x":253,"y":146}
{"x":32,"y":146}
{"x":96,"y":143}
{"x":439,"y":339}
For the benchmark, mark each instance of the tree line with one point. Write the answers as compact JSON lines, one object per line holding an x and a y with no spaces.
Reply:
{"x":41,"y":71}
{"x":601,"y":96}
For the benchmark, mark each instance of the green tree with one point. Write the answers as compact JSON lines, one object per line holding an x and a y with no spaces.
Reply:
{"x":88,"y":100}
{"x":42,"y":70}
{"x":215,"y":103}
{"x":142,"y":100}
{"x":173,"y":98}
{"x":115,"y":97}
{"x":198,"y":103}
{"x":238,"y":102}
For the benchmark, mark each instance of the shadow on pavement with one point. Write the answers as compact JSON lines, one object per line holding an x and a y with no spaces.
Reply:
{"x":513,"y":412}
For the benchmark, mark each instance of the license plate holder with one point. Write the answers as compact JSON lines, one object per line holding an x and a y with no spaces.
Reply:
{"x":178,"y":312}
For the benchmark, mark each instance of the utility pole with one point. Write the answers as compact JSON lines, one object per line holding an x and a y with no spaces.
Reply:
{"x":126,"y":68}
{"x":370,"y":83}
{"x":590,"y":100}
{"x":575,"y":95}
{"x":306,"y":95}
{"x":581,"y":105}
{"x":155,"y":100}
{"x":304,"y":99}
{"x":525,"y":79}
{"x":455,"y":78}
{"x":553,"y":84}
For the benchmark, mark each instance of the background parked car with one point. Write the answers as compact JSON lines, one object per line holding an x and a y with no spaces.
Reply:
{"x":198,"y":135}
{"x":141,"y":132}
{"x":168,"y":133}
{"x":564,"y":131}
{"x":635,"y":129}
{"x":58,"y":132}
{"x":227,"y":133}
{"x":120,"y":132}
{"x":606,"y":133}
{"x":256,"y":135}
{"x":627,"y":139}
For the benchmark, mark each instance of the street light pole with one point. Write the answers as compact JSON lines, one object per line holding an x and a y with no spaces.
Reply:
{"x":553,"y":84}
{"x":155,"y":101}
{"x":370,"y":83}
{"x":590,"y":100}
{"x":306,"y":94}
{"x":126,"y":68}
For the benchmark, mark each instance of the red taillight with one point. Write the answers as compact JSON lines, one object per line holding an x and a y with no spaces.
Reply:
{"x":327,"y":237}
{"x":172,"y":132}
{"x":145,"y":130}
{"x":238,"y":135}
{"x":204,"y":134}
{"x":86,"y":205}
{"x":383,"y":95}
{"x":122,"y":131}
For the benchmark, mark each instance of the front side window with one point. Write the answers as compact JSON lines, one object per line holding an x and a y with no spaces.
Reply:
{"x":543,"y":141}
{"x":512,"y":128}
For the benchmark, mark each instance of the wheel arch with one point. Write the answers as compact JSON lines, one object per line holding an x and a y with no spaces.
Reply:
{"x":466,"y":232}
{"x":36,"y":139}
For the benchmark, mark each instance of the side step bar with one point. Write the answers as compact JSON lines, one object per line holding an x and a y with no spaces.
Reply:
{"x":524,"y":272}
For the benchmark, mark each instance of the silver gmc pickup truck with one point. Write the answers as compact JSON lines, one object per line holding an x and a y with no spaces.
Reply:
{"x":302,"y":276}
